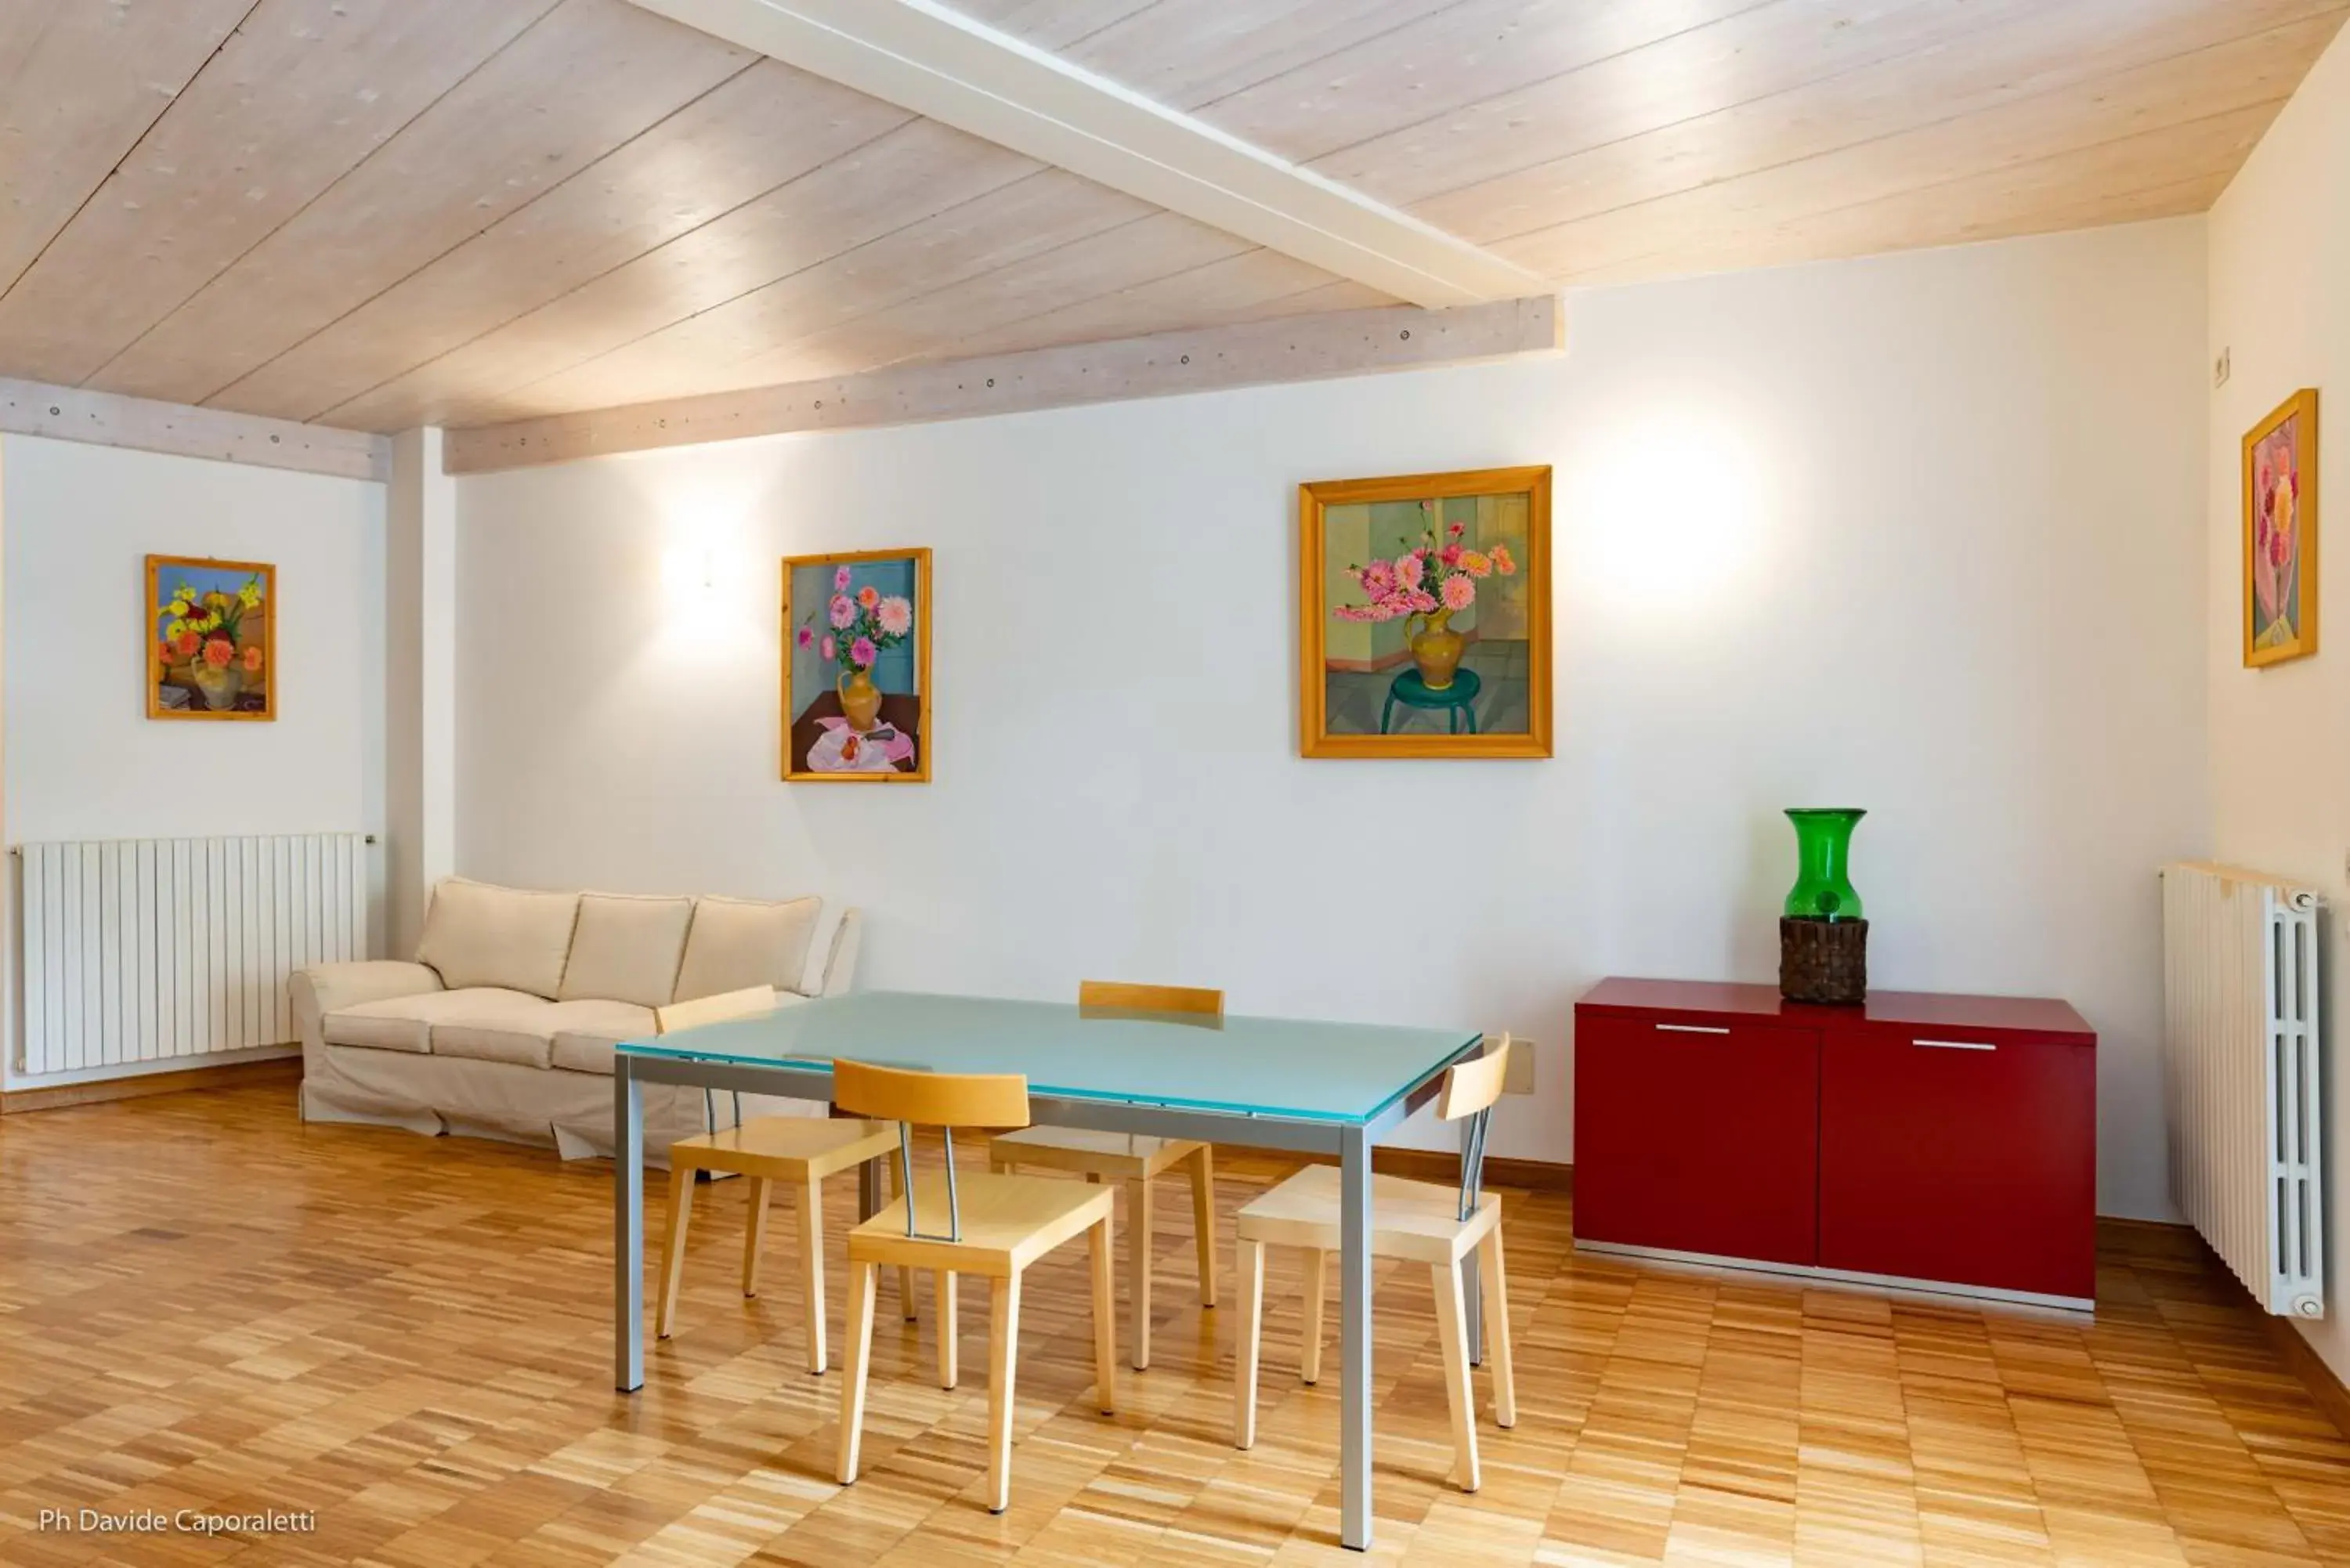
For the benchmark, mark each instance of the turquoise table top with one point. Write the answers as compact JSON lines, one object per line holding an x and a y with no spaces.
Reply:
{"x":1292,"y":1068}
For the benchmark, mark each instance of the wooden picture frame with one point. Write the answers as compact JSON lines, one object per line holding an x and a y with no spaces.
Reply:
{"x":214,"y":655}
{"x":1491,"y":699}
{"x":821,"y":740}
{"x":2280,"y":586}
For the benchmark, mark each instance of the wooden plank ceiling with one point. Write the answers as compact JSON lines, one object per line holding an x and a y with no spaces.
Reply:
{"x":376,"y":214}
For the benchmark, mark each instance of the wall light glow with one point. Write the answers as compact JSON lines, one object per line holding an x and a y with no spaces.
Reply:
{"x":1671,"y":510}
{"x":689,"y":576}
{"x":717,"y":582}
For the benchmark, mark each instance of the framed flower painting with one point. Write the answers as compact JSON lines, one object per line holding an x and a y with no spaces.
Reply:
{"x":1424,"y":615}
{"x":2281,"y":533}
{"x":857,"y":667}
{"x":211,"y":639}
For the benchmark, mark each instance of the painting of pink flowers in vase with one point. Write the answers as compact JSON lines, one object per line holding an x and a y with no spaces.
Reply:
{"x":2281,"y":533}
{"x":210,"y":636}
{"x":857,"y":667}
{"x":1425,"y":616}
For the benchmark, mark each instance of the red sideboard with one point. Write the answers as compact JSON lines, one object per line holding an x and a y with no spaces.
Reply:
{"x":1950,"y":1141}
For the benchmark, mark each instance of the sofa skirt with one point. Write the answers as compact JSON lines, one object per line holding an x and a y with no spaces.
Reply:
{"x":546,"y":1108}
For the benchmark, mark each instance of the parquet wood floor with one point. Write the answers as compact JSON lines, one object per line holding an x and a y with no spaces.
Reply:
{"x":203,"y":1303}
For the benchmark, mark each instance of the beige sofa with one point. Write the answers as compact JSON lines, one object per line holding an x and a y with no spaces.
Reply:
{"x":505,"y":1025}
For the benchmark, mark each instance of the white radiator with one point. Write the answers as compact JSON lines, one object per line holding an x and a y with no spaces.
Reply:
{"x":144,"y":949}
{"x":2240,"y":1045}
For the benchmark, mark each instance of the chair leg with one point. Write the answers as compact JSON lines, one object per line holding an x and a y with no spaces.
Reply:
{"x":1317,"y":1283}
{"x":861,"y":1281}
{"x":755,"y":1234}
{"x":1002,"y":1363}
{"x":905,"y":1276}
{"x":681,"y":1210}
{"x":1491,"y":1276}
{"x":1453,"y":1330}
{"x":1203,"y":1219}
{"x":1105,"y":1318}
{"x":812,"y":1266}
{"x":1252,"y":1304}
{"x":1139,"y":1240}
{"x":945,"y":1288}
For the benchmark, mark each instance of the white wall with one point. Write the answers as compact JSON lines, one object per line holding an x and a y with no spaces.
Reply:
{"x":2280,"y":248}
{"x":82,"y":758}
{"x":1918,"y":534}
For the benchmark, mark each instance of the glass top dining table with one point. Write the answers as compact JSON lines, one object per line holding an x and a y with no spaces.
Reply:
{"x":1287,"y":1069}
{"x":1300,"y":1085}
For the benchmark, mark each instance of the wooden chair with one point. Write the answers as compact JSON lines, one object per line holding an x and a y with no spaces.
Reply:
{"x":799,"y":1150}
{"x":994,"y":1226}
{"x":1134,"y":1160}
{"x":1416,"y":1221}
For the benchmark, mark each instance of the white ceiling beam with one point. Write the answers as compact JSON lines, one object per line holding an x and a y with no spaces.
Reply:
{"x":1258,"y":353}
{"x":144,"y":424}
{"x":924,"y":56}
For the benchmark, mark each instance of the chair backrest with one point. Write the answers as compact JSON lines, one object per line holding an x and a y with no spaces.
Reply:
{"x":931,"y":1100}
{"x":1469,"y":1089}
{"x":941,"y":1100}
{"x":1117,"y":995}
{"x":1473,"y":1086}
{"x":702,"y":1010}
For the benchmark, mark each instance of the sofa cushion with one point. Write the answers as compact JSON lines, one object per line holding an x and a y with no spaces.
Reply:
{"x":508,"y":1027}
{"x":587,"y":1046}
{"x":525,"y":1036}
{"x":625,"y":947}
{"x":478,"y":935}
{"x":588,"y":1050}
{"x":405,"y":1023}
{"x":737,"y":943}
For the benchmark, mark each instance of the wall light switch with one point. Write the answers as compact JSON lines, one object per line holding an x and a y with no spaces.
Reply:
{"x":2221,"y":369}
{"x":1518,"y":1076}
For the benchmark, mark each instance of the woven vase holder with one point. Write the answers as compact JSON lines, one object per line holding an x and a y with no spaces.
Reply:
{"x":1824,"y":961}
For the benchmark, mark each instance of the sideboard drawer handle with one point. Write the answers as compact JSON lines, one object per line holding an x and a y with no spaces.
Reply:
{"x":1956,"y":1045}
{"x":1692,"y":1029}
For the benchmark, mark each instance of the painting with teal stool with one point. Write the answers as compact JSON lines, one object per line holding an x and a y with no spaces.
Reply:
{"x":1425,"y":616}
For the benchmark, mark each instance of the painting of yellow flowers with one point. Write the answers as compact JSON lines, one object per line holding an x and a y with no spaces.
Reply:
{"x":210,"y":637}
{"x":1424,"y":621}
{"x":2281,"y":533}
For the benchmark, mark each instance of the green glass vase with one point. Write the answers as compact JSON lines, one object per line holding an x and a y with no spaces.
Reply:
{"x":1823,"y":890}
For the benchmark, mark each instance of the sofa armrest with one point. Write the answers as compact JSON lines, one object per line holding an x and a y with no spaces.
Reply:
{"x":839,"y":975}
{"x":331,"y":987}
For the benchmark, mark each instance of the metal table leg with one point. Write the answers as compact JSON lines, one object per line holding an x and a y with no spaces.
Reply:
{"x":1354,"y":1338}
{"x":1473,"y":1284}
{"x":627,"y":1228}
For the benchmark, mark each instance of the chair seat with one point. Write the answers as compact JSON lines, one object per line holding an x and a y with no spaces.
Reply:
{"x":1127,"y":1157}
{"x":1008,"y":1222}
{"x":1419,"y":1220}
{"x":791,"y":1147}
